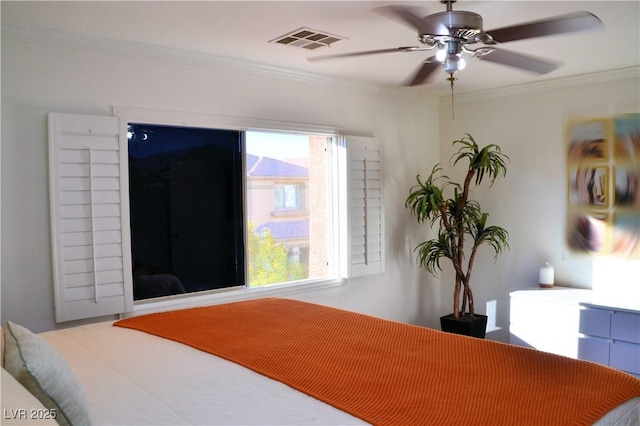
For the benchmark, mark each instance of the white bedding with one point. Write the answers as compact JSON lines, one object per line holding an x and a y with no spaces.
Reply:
{"x":132,"y":378}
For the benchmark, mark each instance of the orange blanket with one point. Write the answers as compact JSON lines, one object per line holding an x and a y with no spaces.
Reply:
{"x":389,"y":373}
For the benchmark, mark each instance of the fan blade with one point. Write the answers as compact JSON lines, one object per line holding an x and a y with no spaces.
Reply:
{"x":406,"y":17}
{"x":366,"y":52}
{"x":425,"y":73}
{"x":572,"y":22}
{"x":518,"y":60}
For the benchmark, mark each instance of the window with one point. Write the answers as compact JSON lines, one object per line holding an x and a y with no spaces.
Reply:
{"x":286,"y":197}
{"x":270,"y":208}
{"x":291,"y":208}
{"x":185,"y":190}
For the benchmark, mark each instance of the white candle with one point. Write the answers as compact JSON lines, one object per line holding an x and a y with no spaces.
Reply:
{"x":546,"y":276}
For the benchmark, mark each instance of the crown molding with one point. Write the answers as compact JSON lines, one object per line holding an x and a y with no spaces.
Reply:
{"x":538,"y":86}
{"x":159,"y":53}
{"x":143,"y":50}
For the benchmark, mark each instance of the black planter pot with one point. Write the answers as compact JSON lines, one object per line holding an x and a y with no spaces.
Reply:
{"x":474,"y":327}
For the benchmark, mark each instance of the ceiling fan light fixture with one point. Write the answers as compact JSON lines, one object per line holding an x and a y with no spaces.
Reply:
{"x":454,"y":63}
{"x":452,"y":56}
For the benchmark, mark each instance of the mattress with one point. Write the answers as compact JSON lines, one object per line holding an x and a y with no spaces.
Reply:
{"x":131,"y":377}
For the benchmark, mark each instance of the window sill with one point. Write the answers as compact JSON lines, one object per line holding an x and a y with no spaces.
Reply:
{"x":235,"y":294}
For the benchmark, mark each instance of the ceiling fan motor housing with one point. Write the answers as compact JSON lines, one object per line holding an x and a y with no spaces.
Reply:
{"x":456,"y":24}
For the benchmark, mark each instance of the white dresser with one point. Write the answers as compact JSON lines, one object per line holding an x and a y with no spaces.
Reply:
{"x":574,"y":323}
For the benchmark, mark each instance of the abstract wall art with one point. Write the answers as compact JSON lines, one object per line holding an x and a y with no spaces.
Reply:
{"x":603,"y":186}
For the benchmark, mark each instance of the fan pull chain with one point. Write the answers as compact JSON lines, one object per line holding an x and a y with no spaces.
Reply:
{"x":451,"y":79}
{"x":453,"y":114}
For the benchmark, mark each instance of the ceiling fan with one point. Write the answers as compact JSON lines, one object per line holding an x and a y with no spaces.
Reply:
{"x":455,"y":32}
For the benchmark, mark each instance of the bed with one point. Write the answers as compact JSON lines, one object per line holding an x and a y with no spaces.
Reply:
{"x":130,"y":375}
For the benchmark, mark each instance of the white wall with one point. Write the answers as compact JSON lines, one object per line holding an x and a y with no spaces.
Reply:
{"x":38,"y":78}
{"x":527,"y":122}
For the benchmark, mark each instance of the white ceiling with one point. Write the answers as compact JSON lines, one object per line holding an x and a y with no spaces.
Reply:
{"x":243,"y":29}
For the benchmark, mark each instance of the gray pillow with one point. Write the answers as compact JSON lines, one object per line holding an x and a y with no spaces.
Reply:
{"x":40,"y":368}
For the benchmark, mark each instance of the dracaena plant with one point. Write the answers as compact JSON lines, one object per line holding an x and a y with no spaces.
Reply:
{"x":446,"y":205}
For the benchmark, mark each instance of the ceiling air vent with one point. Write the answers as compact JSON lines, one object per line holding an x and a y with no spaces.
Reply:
{"x":307,"y":39}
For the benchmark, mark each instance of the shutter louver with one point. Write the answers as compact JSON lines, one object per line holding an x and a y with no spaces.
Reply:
{"x":89,"y":217}
{"x":366,"y":215}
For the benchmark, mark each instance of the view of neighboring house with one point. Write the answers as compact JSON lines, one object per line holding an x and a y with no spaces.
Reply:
{"x":278,"y":202}
{"x":288,"y":198}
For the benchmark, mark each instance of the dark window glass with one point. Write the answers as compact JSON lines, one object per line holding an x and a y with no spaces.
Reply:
{"x":185,"y":189}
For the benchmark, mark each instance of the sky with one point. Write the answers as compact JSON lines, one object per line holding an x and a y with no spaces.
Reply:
{"x":277,"y":145}
{"x":146,"y":140}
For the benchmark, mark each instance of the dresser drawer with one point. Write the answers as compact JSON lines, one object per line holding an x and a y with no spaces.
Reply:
{"x":594,"y":350}
{"x":595,"y":322}
{"x":625,"y":326}
{"x":625,"y":357}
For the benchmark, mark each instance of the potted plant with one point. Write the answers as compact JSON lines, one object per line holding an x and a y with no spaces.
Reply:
{"x":461,"y":224}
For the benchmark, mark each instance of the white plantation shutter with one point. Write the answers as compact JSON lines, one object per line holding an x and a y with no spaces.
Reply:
{"x":89,"y":216}
{"x":366,"y":215}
